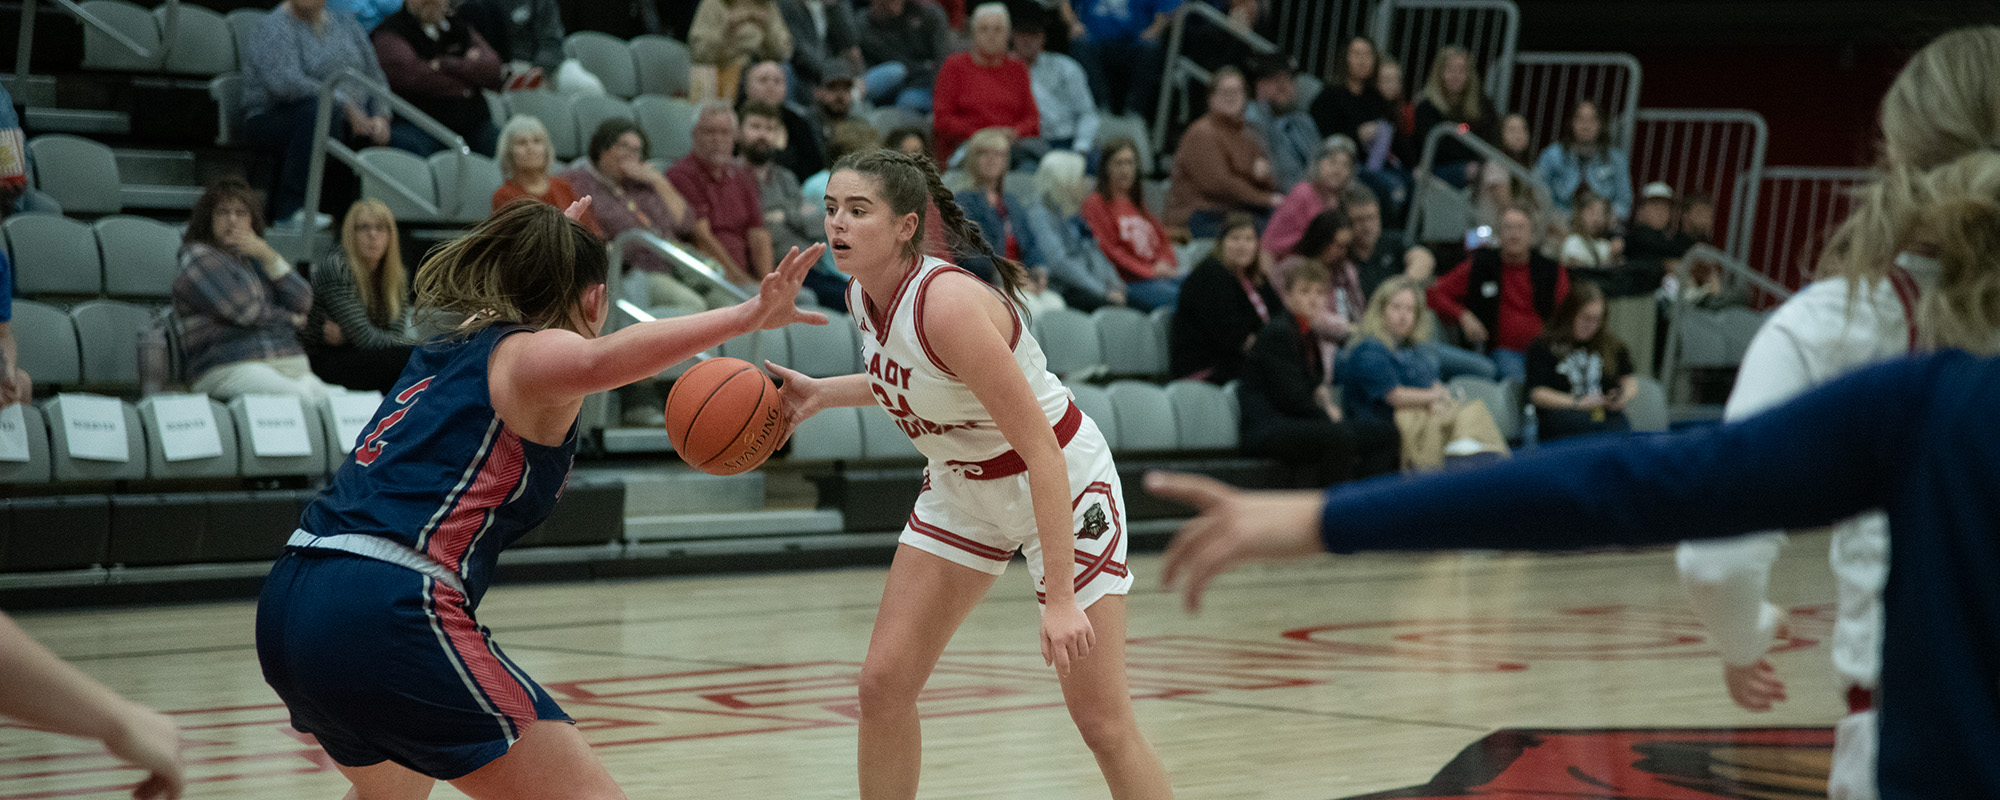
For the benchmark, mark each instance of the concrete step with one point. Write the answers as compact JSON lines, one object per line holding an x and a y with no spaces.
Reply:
{"x":164,"y":167}
{"x":158,"y":197}
{"x":732,"y":525}
{"x":81,"y":121}
{"x":679,"y":490}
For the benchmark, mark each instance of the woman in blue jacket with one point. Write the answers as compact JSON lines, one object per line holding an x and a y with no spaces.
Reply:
{"x":1584,"y":157}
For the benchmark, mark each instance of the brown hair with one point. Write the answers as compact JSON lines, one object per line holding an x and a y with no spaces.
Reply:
{"x":526,"y":264}
{"x":909,"y":185}
{"x":1308,"y":272}
{"x":1111,"y":149}
{"x":754,"y":108}
{"x":1603,"y":139}
{"x":1561,"y":327}
{"x":1465,"y":107}
{"x":1254,"y":271}
{"x":611,"y":131}
{"x":201,"y":226}
{"x":381,"y":285}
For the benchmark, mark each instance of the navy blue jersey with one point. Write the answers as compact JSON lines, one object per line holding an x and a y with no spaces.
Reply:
{"x":436,"y":471}
{"x":1914,"y":438}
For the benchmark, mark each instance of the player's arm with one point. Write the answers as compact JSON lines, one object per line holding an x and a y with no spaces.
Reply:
{"x":46,"y":692}
{"x":969,"y":326}
{"x":554,"y":367}
{"x":1823,"y":457}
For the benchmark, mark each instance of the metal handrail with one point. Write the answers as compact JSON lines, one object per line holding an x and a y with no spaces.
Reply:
{"x":1500,"y":73}
{"x":1176,"y":69}
{"x":25,"y":41}
{"x":647,"y":240}
{"x":1628,"y":121}
{"x":1422,"y":177}
{"x":1670,"y":362}
{"x":324,"y":144}
{"x":1743,"y":208}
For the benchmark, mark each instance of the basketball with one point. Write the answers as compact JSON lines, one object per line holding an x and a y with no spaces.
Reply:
{"x":724,"y":416}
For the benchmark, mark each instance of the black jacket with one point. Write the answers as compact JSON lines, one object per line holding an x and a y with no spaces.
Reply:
{"x":1279,"y":376}
{"x":1212,"y":319}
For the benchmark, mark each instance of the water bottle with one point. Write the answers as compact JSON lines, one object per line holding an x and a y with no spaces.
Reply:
{"x":153,"y":358}
{"x":1531,"y":429}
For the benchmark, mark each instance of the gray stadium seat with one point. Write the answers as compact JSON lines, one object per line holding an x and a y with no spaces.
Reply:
{"x":108,"y":340}
{"x":668,"y":123}
{"x":53,"y":256}
{"x":242,"y":25}
{"x":592,"y":110}
{"x":1145,"y":418}
{"x":66,"y":468}
{"x":79,"y":173}
{"x":662,"y":64}
{"x":1130,"y":347}
{"x":219,"y":466}
{"x":823,"y":351}
{"x":1204,"y":415}
{"x":1648,"y":410}
{"x":100,"y":51}
{"x":46,"y":339}
{"x":1503,"y":401}
{"x":202,"y":43}
{"x":1112,"y":127}
{"x":256,"y":466}
{"x":36,"y":469}
{"x":833,"y":434}
{"x":1096,"y":404}
{"x":409,"y":170}
{"x":227,"y":92}
{"x":607,"y":57}
{"x":882,"y":439}
{"x":759,"y":347}
{"x":1163,"y":326}
{"x":465,"y":197}
{"x":1069,"y":340}
{"x":889,"y":118}
{"x":141,"y":256}
{"x":553,"y":111}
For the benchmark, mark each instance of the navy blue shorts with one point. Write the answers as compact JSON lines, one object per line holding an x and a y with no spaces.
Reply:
{"x":382,"y":664}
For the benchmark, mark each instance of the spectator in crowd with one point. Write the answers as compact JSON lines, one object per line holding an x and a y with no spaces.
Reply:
{"x":1697,"y":218}
{"x":910,"y":139}
{"x":13,"y":157}
{"x":1498,"y":187}
{"x":1590,"y":245}
{"x":240,"y":303}
{"x":1220,"y":165}
{"x":1062,"y":91}
{"x":1225,"y":301}
{"x":358,"y":332}
{"x":1289,"y":412}
{"x":778,"y":192}
{"x":43,"y":692}
{"x":1128,"y":233}
{"x":1325,"y":245}
{"x":1653,"y":239}
{"x":1351,"y":103}
{"x":300,"y":45}
{"x":803,"y":150}
{"x":984,"y":88}
{"x":904,"y":43}
{"x":730,"y":34}
{"x":366,"y":13}
{"x":1290,"y":135}
{"x":1081,"y":273}
{"x":833,"y":103}
{"x":527,"y":34}
{"x":1119,"y":44}
{"x":1501,"y":297}
{"x":1391,"y":385}
{"x":16,"y":386}
{"x":1584,"y":158}
{"x":1453,"y":94}
{"x":1001,"y":216}
{"x":1706,"y":284}
{"x":628,"y":194}
{"x":1332,"y":175}
{"x":1580,"y":376}
{"x":1212,"y":44}
{"x":724,"y":195}
{"x":525,"y":158}
{"x":441,"y":65}
{"x":1379,"y":255}
{"x":1402,"y":118}
{"x":822,"y":32}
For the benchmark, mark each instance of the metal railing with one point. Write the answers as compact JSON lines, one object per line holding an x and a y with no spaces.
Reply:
{"x":1414,"y":30}
{"x":597,"y":414}
{"x":1797,"y":208}
{"x":325,"y":144}
{"x":1717,"y":151}
{"x":1547,"y":86}
{"x":25,"y":47}
{"x":1423,"y":182}
{"x":1316,"y":32}
{"x":1673,"y":360}
{"x":1177,"y":69}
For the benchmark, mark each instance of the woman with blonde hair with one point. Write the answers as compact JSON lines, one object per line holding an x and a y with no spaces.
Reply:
{"x":525,"y":158}
{"x":1000,"y":214}
{"x":358,"y":332}
{"x":1083,"y":275}
{"x":1916,"y":266}
{"x":1390,"y":381}
{"x":1453,"y":94}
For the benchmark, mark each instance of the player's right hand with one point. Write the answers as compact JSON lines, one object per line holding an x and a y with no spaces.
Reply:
{"x":776,"y":303}
{"x":1233,"y":526}
{"x":801,"y":394}
{"x":148,"y":740}
{"x":1754,"y":686}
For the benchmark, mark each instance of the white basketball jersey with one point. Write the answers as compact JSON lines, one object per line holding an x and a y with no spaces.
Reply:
{"x":940,"y":414}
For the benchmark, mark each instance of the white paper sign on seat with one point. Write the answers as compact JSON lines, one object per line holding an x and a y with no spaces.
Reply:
{"x":277,"y":425}
{"x":351,"y":413}
{"x":14,"y":435}
{"x":187,"y":426}
{"x":95,"y":427}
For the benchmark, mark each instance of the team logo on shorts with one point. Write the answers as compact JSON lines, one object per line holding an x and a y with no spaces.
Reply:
{"x":1094,"y":524}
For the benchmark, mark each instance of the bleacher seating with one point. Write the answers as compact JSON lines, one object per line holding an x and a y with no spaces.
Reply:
{"x":53,"y":256}
{"x":1070,"y":341}
{"x":37,"y":468}
{"x":607,"y":57}
{"x":46,"y":340}
{"x":668,"y":123}
{"x":1130,"y":344}
{"x":1146,"y":419}
{"x":1205,"y":415}
{"x":108,"y":334}
{"x":661,"y":65}
{"x":553,"y":111}
{"x":221,"y":465}
{"x":68,"y":467}
{"x":242,"y":25}
{"x":102,"y":52}
{"x":475,"y":187}
{"x":202,"y":44}
{"x":254,"y":465}
{"x":141,"y":256}
{"x":79,"y":173}
{"x":591,"y":110}
{"x":412,"y":172}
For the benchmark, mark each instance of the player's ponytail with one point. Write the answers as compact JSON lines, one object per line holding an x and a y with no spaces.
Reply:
{"x":1961,"y":218}
{"x":910,"y":184}
{"x":526,"y":264}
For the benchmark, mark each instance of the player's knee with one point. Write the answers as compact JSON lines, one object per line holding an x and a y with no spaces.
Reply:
{"x":1105,"y":732}
{"x":886,"y":689}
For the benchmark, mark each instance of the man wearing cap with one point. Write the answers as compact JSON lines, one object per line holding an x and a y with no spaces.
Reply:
{"x":1652,"y":240}
{"x":822,"y":31}
{"x":833,"y":101}
{"x":1062,"y":90}
{"x":804,"y":150}
{"x":1290,"y":135}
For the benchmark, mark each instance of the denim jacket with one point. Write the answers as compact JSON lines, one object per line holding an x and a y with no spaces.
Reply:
{"x":1609,"y":174}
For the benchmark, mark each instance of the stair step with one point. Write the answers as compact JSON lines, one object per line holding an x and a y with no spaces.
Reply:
{"x":637,"y":440}
{"x":676,"y":490}
{"x":77,"y":120}
{"x":158,"y":196}
{"x":788,"y":522}
{"x":160,"y":167}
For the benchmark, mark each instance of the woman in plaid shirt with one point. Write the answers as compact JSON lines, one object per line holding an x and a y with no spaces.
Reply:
{"x":240,"y":304}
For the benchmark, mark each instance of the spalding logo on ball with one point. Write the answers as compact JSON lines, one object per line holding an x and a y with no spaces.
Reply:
{"x":725,"y":416}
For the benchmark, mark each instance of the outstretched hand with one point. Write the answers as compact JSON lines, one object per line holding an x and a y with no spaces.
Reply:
{"x":775,"y":305}
{"x":1232,"y":526}
{"x":577,"y":209}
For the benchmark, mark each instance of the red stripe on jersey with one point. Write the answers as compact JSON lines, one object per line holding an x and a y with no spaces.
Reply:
{"x":489,"y":676}
{"x":497,"y":480}
{"x":1102,"y":561}
{"x":882,"y":320}
{"x":918,"y":313}
{"x":983,"y":551}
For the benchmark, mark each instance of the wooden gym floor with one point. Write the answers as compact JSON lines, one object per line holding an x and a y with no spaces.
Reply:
{"x":1555,"y":676}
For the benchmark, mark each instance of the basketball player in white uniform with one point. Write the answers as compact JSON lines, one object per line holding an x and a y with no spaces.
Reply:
{"x":1014,"y":465}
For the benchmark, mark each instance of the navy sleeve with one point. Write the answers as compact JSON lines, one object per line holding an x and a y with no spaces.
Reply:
{"x":1825,"y":456}
{"x":6,"y":289}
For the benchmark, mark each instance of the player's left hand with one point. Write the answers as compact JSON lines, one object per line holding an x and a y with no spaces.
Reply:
{"x":1067,"y":637}
{"x":1232,"y":526}
{"x":1755,"y":687}
{"x":776,"y":303}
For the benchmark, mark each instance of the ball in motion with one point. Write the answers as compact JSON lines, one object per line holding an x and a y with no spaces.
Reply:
{"x":725,"y":416}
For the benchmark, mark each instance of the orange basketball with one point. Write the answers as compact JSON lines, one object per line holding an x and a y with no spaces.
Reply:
{"x":724,"y":416}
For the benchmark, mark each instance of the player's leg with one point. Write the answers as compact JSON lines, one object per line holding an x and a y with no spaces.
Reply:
{"x":551,"y":760}
{"x":1100,"y":703}
{"x":923,"y":602}
{"x":387,"y":781}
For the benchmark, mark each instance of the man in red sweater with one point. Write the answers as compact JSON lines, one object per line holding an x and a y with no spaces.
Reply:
{"x":984,"y":88}
{"x":1500,"y":298}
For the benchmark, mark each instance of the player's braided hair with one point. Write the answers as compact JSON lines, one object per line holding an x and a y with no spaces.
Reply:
{"x":526,"y":264}
{"x":910,"y":184}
